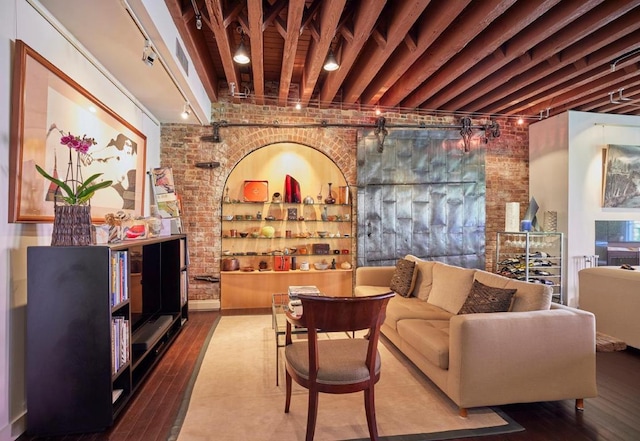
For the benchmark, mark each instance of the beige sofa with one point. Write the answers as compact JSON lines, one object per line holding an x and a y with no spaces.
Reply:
{"x":613,"y":296}
{"x":537,"y":351}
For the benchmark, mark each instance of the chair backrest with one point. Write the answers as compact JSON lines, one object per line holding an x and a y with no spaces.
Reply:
{"x":332,"y":314}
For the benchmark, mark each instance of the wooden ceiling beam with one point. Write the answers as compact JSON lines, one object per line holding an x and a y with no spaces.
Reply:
{"x":435,"y":19}
{"x":542,"y":76}
{"x":473,"y":20}
{"x":584,"y":90}
{"x":295,"y":14}
{"x":328,"y":18}
{"x":401,"y":17}
{"x":234,"y":14}
{"x":364,"y":20}
{"x":196,"y":46}
{"x":256,"y":39}
{"x":223,"y":41}
{"x":487,"y":82}
{"x":272,"y":13}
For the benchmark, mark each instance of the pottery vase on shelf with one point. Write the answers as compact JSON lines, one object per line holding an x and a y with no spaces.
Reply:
{"x":330,"y":199}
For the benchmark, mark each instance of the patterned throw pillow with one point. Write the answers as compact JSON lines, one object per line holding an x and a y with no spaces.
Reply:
{"x":483,"y":298}
{"x":404,"y":277}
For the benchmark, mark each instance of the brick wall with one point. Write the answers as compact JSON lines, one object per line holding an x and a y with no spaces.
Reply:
{"x":201,"y":190}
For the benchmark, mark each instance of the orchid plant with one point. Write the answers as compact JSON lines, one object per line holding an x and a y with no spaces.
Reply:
{"x":75,"y":192}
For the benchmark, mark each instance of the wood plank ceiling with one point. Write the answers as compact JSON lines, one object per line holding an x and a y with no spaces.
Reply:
{"x":532,"y":58}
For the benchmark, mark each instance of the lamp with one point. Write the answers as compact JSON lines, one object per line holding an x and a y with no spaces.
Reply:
{"x":241,"y":56}
{"x":186,"y":111}
{"x":148,"y":55}
{"x":197,"y":13}
{"x":331,"y":64}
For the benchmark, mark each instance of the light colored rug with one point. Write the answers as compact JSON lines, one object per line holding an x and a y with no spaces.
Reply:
{"x":235,"y":397}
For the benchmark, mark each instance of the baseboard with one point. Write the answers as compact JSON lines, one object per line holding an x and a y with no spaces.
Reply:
{"x":14,"y":429}
{"x":204,"y":305}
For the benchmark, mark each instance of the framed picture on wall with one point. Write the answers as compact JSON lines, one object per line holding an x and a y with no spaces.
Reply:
{"x":621,"y":176}
{"x":46,"y":105}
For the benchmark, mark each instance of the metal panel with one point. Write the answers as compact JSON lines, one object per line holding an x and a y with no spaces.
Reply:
{"x":422,"y":195}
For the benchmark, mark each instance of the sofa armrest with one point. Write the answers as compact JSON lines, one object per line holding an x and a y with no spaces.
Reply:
{"x":374,"y":275}
{"x":517,"y":357}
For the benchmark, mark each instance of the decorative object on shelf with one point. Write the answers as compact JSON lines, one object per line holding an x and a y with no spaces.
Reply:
{"x":344,"y":196}
{"x":320,"y":195}
{"x":259,"y":215}
{"x":226,"y":199}
{"x":291,"y":190}
{"x":330,"y":199}
{"x":345,"y":265}
{"x":72,"y":212}
{"x":324,"y":215}
{"x":256,"y":191}
{"x":154,"y":222}
{"x":309,"y":200}
{"x":321,"y":265}
{"x":292,"y":213}
{"x":333,"y":264}
{"x":276,"y":198}
{"x":268,"y":231}
{"x":230,"y":264}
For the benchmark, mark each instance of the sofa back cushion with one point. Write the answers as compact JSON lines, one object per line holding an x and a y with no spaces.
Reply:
{"x":451,"y":286}
{"x":530,"y":296}
{"x":424,"y":276}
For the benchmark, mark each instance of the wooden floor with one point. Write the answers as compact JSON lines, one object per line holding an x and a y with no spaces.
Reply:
{"x":614,"y":415}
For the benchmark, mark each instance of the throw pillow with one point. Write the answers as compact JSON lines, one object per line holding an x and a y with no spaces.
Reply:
{"x":404,"y":277}
{"x":484,"y":298}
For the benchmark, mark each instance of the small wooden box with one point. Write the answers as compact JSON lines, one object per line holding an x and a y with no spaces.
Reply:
{"x":320,"y":248}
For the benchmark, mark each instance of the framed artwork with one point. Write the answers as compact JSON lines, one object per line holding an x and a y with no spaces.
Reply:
{"x":621,"y":187}
{"x":164,"y":192}
{"x":47,"y":104}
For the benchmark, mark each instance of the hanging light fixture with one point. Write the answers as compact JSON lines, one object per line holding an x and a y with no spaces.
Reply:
{"x":242,"y":55}
{"x":148,"y":55}
{"x":331,"y":64}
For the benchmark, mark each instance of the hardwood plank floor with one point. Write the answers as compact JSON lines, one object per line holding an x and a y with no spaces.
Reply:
{"x":612,"y":416}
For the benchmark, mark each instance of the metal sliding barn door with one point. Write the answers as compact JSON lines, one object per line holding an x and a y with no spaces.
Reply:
{"x":422,"y":195}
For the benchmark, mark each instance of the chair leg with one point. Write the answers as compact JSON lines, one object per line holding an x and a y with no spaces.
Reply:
{"x":287,"y":401}
{"x":370,"y":410}
{"x":312,"y":414}
{"x":579,"y":404}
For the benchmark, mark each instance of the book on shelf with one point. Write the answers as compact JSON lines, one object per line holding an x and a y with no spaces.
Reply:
{"x":309,"y":290}
{"x":115,"y":394}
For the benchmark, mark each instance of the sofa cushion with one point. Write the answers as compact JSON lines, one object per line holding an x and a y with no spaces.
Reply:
{"x":484,"y":298}
{"x":424,"y":276}
{"x":369,"y":290}
{"x":400,"y":308}
{"x":451,"y":286}
{"x":429,"y":337}
{"x":404,"y":277}
{"x":491,"y":279}
{"x":530,"y":296}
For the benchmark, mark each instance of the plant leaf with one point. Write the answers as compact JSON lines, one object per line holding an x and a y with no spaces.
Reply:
{"x":70,"y":198}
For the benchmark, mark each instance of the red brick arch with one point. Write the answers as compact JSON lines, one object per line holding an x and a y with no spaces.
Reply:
{"x":336,"y":148}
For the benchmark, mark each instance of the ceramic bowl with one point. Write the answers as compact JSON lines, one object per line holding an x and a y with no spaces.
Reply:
{"x":321,"y":266}
{"x":244,"y":234}
{"x":322,"y":233}
{"x":228,"y":217}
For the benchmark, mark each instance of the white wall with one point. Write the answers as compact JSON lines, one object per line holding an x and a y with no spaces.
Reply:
{"x":565,"y":174}
{"x":18,"y":20}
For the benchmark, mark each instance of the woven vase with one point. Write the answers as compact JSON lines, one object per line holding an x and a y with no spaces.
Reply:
{"x":71,"y":225}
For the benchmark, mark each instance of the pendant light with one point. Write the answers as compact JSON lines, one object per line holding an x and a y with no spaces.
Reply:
{"x":242,"y":55}
{"x":331,"y":64}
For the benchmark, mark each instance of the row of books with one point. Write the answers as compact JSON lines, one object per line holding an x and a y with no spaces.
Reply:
{"x":120,"y":343}
{"x":119,"y":277}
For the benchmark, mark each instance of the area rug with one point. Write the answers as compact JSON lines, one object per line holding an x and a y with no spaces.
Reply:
{"x":607,"y":343}
{"x":234,"y":396}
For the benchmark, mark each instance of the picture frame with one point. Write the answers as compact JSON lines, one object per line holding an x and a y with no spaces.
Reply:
{"x":46,"y":104}
{"x":621,"y":163}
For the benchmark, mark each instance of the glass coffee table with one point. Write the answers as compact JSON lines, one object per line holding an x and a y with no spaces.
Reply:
{"x":279,"y":304}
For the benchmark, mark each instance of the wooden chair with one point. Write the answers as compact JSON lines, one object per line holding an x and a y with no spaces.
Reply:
{"x":336,"y":366}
